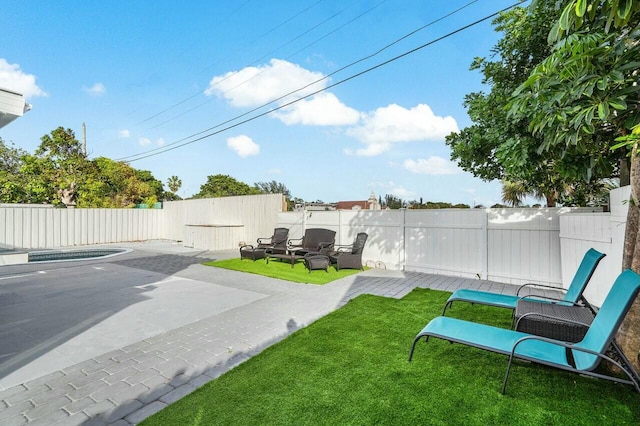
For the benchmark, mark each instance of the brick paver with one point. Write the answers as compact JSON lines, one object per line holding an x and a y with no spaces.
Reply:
{"x":127,"y":385}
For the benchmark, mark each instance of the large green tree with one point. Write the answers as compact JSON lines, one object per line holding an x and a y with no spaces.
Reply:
{"x":57,"y":168}
{"x":60,"y":173}
{"x":224,"y":186}
{"x":502,"y":146}
{"x":114,"y":184}
{"x":584,"y":96}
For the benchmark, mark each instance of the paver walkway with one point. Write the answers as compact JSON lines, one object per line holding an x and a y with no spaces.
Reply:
{"x":126,"y":385}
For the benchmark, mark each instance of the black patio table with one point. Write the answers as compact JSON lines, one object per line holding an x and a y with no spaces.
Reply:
{"x":290,"y":255}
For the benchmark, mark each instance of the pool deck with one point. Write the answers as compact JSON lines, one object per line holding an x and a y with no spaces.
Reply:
{"x":113,"y":341}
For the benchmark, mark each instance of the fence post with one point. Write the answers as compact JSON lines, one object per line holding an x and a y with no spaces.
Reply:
{"x":485,"y":245}
{"x":403,"y":246}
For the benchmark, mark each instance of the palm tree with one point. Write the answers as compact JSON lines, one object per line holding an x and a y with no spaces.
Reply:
{"x":174,"y":184}
{"x":513,"y":193}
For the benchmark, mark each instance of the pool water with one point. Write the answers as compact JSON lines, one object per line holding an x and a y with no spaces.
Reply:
{"x":75,"y":254}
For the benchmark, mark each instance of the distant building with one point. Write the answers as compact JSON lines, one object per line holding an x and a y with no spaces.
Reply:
{"x":12,"y":106}
{"x":314,"y":207}
{"x":370,"y":204}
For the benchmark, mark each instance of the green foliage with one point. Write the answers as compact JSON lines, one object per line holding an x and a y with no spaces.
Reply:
{"x":273,"y":187}
{"x":414,"y":205}
{"x":224,"y":186}
{"x":585,"y":94}
{"x":174,"y":183}
{"x":393,"y":202}
{"x":500,"y":145}
{"x":59,"y":163}
{"x":116,"y":184}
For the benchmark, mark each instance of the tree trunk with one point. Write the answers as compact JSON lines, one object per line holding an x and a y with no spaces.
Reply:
{"x":629,"y":334}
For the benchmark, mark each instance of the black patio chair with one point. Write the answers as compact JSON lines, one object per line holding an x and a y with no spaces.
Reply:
{"x":315,"y":240}
{"x":350,"y":256}
{"x":276,"y":244}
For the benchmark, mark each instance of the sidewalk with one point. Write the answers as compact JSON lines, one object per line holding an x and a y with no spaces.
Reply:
{"x":127,"y":384}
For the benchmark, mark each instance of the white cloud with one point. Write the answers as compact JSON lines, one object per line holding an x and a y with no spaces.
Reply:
{"x":254,"y":86}
{"x":147,"y":142}
{"x":393,"y":188}
{"x":243,"y":146}
{"x":401,"y":192}
{"x":323,"y":109}
{"x":97,"y":89}
{"x":395,"y":124}
{"x":431,"y":166}
{"x":124,"y":133}
{"x":274,"y":171}
{"x":14,"y":79}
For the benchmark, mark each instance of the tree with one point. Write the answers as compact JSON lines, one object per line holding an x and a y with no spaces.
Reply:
{"x":501,"y":146}
{"x":393,"y":202}
{"x":224,"y":186}
{"x":273,"y":187}
{"x":513,"y":193}
{"x":585,"y":95}
{"x":174,"y":183}
{"x":114,"y":184}
{"x":11,"y":184}
{"x":56,"y":169}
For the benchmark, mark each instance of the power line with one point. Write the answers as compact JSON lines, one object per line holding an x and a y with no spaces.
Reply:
{"x":211,"y":66}
{"x":379,"y":65}
{"x":261,"y":72}
{"x":377,"y":52}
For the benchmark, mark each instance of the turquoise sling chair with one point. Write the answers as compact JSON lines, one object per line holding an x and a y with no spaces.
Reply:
{"x":582,"y":357}
{"x":574,"y":293}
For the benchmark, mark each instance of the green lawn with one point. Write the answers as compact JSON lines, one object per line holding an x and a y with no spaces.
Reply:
{"x":351,"y":367}
{"x":283,"y":270}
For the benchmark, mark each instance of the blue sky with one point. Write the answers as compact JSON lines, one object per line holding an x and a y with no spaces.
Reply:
{"x":144,"y":75}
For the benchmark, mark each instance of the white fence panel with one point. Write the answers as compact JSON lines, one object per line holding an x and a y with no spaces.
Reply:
{"x":448,"y":241}
{"x":523,"y":246}
{"x":257,"y":214}
{"x":33,"y":227}
{"x":604,"y":232}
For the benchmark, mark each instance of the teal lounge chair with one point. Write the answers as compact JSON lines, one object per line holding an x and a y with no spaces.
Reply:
{"x":573,"y":294}
{"x":582,"y":357}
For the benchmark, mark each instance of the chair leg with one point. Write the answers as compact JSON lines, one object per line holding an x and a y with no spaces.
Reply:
{"x":447,"y":305}
{"x":506,"y":376}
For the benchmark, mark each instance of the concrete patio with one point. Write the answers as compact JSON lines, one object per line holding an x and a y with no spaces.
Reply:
{"x":112,"y":341}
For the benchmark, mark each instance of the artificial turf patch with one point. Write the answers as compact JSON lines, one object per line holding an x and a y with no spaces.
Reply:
{"x":283,"y":270}
{"x":351,"y":367}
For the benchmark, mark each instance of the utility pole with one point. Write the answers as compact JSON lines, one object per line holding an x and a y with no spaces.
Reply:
{"x":84,"y":139}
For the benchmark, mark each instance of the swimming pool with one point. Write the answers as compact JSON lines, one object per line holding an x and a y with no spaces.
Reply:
{"x":74,"y":254}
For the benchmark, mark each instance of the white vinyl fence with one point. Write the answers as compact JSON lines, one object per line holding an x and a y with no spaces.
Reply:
{"x":210,"y":224}
{"x":30,"y":228}
{"x":505,"y":245}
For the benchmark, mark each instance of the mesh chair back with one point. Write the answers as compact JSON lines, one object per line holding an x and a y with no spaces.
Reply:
{"x":606,"y":323}
{"x":586,"y":269}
